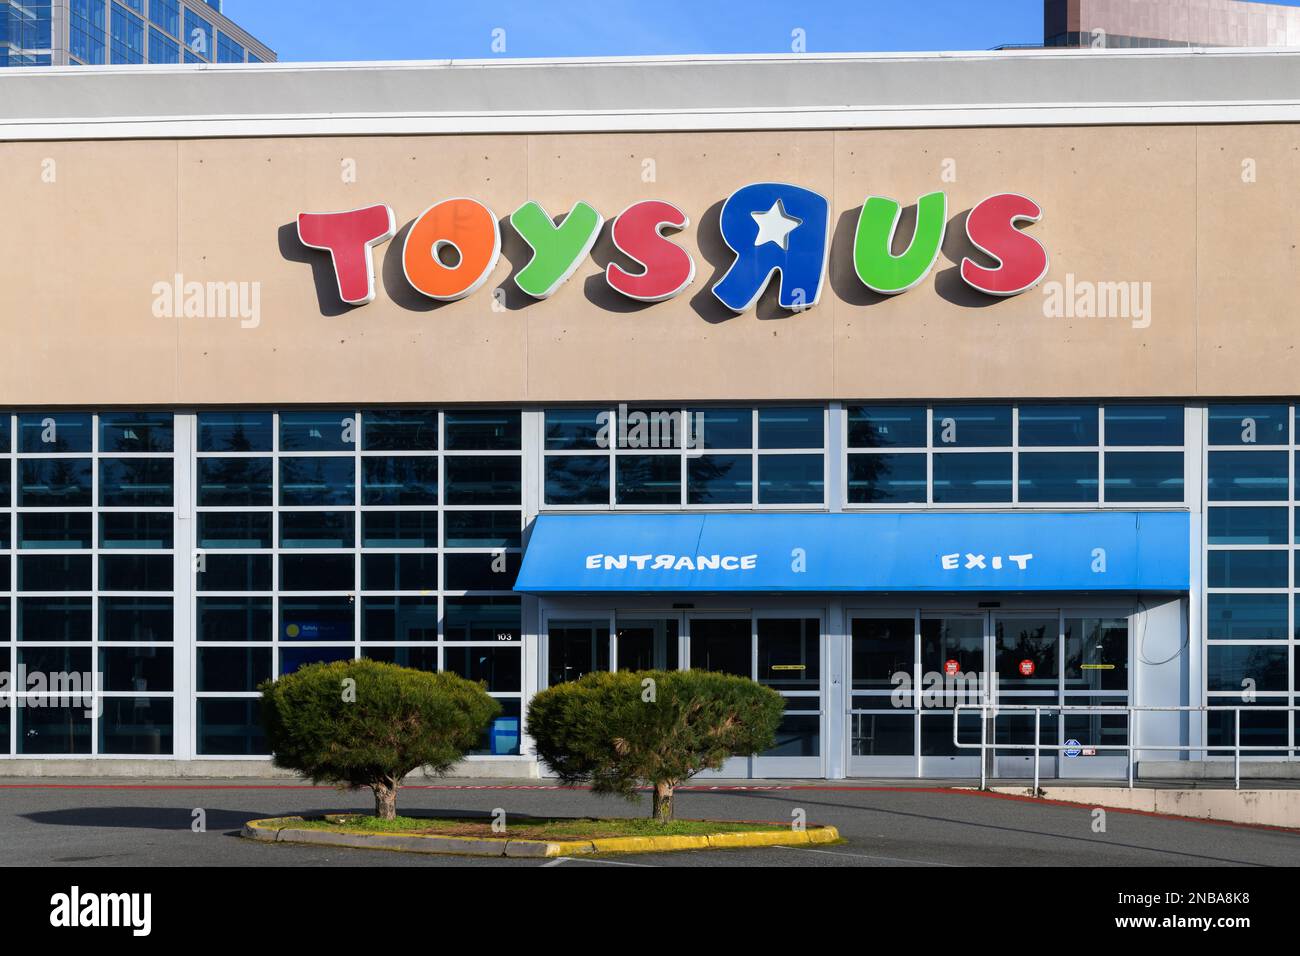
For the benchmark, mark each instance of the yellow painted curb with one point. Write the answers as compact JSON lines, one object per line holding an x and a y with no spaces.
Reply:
{"x":281,"y":830}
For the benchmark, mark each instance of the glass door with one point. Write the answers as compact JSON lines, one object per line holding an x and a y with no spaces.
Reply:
{"x":575,"y":646}
{"x":788,"y":659}
{"x":782,"y":651}
{"x":952,"y":665}
{"x":882,"y":700}
{"x":723,"y":643}
{"x":1026,"y":661}
{"x":646,"y":642}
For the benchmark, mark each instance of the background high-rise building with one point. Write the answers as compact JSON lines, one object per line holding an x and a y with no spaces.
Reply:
{"x":1160,"y":23}
{"x":94,"y":32}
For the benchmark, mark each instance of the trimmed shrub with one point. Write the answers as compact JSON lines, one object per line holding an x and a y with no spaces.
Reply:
{"x":363,"y":723}
{"x":622,"y":731}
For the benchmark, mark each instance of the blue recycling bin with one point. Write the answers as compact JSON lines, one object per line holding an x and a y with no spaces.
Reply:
{"x":504,"y":736}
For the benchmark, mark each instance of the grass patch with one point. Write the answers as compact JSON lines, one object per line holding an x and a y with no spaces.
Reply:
{"x":527,"y":828}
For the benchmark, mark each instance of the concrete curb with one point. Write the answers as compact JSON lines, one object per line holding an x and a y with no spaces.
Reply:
{"x":1261,"y":808}
{"x":282,"y":830}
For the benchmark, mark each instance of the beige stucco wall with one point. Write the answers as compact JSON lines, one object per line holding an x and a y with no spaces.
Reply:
{"x":79,"y":258}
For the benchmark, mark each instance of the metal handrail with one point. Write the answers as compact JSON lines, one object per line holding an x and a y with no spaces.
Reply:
{"x":1130,"y":711}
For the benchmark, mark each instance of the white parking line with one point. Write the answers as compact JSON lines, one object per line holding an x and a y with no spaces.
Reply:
{"x":864,"y":856}
{"x":573,"y":859}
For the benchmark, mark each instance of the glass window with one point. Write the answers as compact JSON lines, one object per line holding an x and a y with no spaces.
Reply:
{"x":977,"y":476}
{"x":887,"y":426}
{"x":317,"y":529}
{"x":136,"y":726}
{"x":1058,"y":476}
{"x":418,"y":657}
{"x":54,"y":483}
{"x":54,"y":572}
{"x":887,"y":479}
{"x":1247,"y":476}
{"x":54,"y":619}
{"x":135,"y":572}
{"x":317,"y":572}
{"x":404,"y":480}
{"x":317,"y":431}
{"x":61,"y":727}
{"x":1246,"y":617}
{"x":399,"y":619}
{"x":236,"y":431}
{"x":309,"y":619}
{"x":152,"y":530}
{"x":481,"y":572}
{"x":1060,"y":425}
{"x":720,"y":480}
{"x":140,"y":432}
{"x":567,"y":428}
{"x":232,"y":669}
{"x":883,"y":655}
{"x":233,"y":619}
{"x":577,"y":480}
{"x":136,"y":668}
{"x":54,"y":530}
{"x":232,"y":482}
{"x":648,"y":479}
{"x":135,"y":482}
{"x":399,"y":572}
{"x":790,"y":479}
{"x":235,"y":529}
{"x":161,"y":50}
{"x":1144,"y":476}
{"x":127,"y":37}
{"x":483,"y":431}
{"x":400,"y":529}
{"x":318,"y":481}
{"x":218,"y":571}
{"x":796,"y":427}
{"x":136,"y":619}
{"x":1144,"y":425}
{"x":496,"y":667}
{"x":722,"y":645}
{"x":198,"y":35}
{"x":1248,"y":569}
{"x":483,"y":529}
{"x":1237,"y":667}
{"x":723,"y":427}
{"x":86,"y":31}
{"x":1248,"y":424}
{"x":482,"y":619}
{"x":230,"y":727}
{"x":972,"y":426}
{"x":402,"y":430}
{"x":166,"y":13}
{"x":1247,"y":526}
{"x":57,"y":433}
{"x":229,"y":51}
{"x":483,"y":480}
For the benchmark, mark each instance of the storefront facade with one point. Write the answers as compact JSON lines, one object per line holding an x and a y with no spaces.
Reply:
{"x":894,"y":408}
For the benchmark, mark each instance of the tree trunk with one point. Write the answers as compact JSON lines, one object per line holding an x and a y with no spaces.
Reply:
{"x":385,"y":800}
{"x":663,"y":801}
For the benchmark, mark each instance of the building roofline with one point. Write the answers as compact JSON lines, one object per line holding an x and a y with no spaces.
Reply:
{"x":652,"y":93}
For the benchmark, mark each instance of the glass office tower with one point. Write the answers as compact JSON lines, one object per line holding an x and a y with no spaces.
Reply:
{"x":122,"y":32}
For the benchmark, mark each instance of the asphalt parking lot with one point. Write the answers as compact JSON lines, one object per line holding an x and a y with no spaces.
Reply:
{"x":151,"y":823}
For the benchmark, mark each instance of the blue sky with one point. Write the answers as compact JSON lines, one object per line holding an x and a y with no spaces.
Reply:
{"x":429,"y":29}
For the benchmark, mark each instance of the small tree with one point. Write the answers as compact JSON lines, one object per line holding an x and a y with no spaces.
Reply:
{"x":630,"y":729}
{"x":363,"y":723}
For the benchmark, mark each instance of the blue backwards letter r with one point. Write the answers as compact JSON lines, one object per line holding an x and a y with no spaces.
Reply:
{"x":774,"y":227}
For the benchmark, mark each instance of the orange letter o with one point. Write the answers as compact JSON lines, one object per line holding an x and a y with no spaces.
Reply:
{"x":471,"y":229}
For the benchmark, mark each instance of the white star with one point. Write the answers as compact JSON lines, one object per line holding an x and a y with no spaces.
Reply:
{"x":774,"y":225}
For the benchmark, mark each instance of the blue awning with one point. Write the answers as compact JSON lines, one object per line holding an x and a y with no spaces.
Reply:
{"x":924,"y":551}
